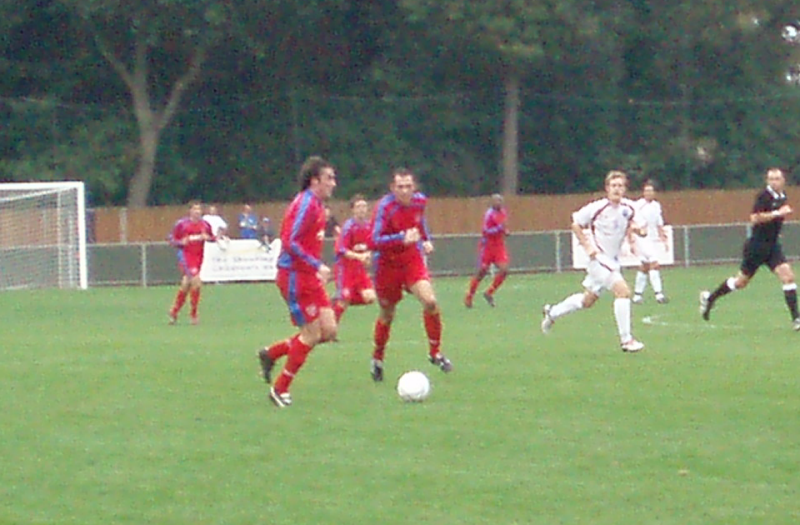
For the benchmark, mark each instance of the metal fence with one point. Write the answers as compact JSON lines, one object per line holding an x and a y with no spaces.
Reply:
{"x":148,"y":264}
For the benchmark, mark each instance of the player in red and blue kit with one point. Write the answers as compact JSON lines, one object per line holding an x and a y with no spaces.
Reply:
{"x":301,"y":278}
{"x":400,"y":242}
{"x":189,"y":236}
{"x":353,"y":284}
{"x":491,"y":250}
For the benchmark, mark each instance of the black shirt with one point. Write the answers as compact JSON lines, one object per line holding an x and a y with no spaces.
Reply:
{"x":768,"y":201}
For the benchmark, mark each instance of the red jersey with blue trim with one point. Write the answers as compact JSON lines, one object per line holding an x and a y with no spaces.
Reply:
{"x":494,"y":228}
{"x":302,"y":231}
{"x":355,"y":237}
{"x":193,"y":231}
{"x":390,"y":220}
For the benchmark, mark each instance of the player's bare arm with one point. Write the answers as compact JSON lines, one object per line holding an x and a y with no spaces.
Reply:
{"x":768,"y":216}
{"x":635,"y":229}
{"x":427,"y":247}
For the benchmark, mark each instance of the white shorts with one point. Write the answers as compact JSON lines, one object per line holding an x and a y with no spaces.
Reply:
{"x":646,"y":249}
{"x":601,"y":275}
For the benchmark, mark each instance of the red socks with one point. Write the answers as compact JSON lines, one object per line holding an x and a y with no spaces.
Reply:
{"x":473,"y":286}
{"x":281,"y":348}
{"x":338,"y":309}
{"x":381,"y":338}
{"x":179,"y":300}
{"x":433,"y":327}
{"x":194,"y":295}
{"x":498,"y":280}
{"x":298,"y":351}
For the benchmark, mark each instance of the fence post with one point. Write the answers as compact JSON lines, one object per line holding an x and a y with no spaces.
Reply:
{"x":143,"y":260}
{"x":123,"y":225}
{"x":686,"y":248}
{"x":558,"y":251}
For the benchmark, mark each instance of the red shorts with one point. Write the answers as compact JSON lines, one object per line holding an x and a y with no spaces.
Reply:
{"x":304,"y":295}
{"x":492,"y":255}
{"x":351,"y":283}
{"x":392,"y":281}
{"x":188,"y":265}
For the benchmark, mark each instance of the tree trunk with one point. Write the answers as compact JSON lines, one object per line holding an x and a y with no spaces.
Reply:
{"x":151,"y":121}
{"x":142,"y":180}
{"x":510,"y":182}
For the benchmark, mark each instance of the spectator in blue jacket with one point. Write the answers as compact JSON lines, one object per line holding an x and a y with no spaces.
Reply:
{"x":248,"y":223}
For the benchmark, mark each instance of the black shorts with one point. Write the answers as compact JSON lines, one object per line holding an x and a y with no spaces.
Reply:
{"x":757,"y":254}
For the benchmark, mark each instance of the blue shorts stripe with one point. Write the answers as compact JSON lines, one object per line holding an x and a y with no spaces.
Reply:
{"x":294,"y":307}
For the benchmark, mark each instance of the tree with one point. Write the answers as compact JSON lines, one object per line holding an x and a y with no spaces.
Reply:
{"x":158,"y":49}
{"x":513,"y":38}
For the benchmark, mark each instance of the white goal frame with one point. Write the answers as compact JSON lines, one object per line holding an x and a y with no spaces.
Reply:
{"x":70,"y":231}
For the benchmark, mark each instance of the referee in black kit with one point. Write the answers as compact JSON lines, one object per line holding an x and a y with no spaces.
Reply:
{"x":762,"y":247}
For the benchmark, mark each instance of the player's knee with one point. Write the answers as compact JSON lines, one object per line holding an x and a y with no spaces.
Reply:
{"x":328,"y":331}
{"x":386,"y":315}
{"x":429,"y":304}
{"x":368,"y":297}
{"x":589,"y":299}
{"x":785,"y":273}
{"x":328,"y":334}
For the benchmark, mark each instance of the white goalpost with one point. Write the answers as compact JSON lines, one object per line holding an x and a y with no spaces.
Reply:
{"x":43,"y":235}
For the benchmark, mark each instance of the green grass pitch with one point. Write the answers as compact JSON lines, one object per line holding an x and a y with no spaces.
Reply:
{"x":112,"y":417}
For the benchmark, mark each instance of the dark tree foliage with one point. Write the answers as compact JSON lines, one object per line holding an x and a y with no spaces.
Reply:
{"x":532,"y":96}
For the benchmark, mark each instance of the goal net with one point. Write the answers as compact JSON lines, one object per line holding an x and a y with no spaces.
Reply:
{"x":43,"y":235}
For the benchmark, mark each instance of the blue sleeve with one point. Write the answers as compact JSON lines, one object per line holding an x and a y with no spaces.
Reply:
{"x":297,"y":229}
{"x":379,"y":239}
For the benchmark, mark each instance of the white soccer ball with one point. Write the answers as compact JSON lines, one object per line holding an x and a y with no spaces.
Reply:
{"x":789,"y":33}
{"x":413,"y":386}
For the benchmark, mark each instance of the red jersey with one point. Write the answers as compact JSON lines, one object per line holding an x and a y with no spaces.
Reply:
{"x":193,"y":231}
{"x":390,"y":220}
{"x":355,"y":237}
{"x":302,"y":231}
{"x":494,"y":228}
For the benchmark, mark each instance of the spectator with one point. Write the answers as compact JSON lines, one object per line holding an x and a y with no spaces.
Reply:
{"x":265,"y":233}
{"x":248,"y":223}
{"x":219,"y":227}
{"x":332,"y":228}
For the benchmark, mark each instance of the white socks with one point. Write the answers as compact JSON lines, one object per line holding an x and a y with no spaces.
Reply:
{"x":573,"y":303}
{"x":641,"y":282}
{"x":622,"y":313}
{"x":655,"y":280}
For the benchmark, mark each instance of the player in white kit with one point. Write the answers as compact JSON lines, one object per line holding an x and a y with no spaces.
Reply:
{"x":610,"y":222}
{"x":649,"y":216}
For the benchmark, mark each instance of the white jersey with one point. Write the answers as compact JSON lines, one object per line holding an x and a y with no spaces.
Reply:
{"x":608,"y":224}
{"x":216,"y":222}
{"x":649,"y":215}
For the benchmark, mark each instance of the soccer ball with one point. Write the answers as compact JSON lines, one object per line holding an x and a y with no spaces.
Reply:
{"x":790,"y":34}
{"x":413,"y":386}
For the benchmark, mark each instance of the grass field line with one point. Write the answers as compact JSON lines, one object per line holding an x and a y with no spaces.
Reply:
{"x":655,"y":320}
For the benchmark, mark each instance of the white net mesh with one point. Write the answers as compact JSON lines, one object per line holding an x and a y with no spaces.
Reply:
{"x":42,"y":235}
